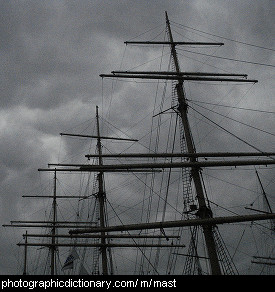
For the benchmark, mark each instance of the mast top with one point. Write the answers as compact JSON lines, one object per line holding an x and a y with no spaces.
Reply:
{"x":171,"y":42}
{"x":166,"y":17}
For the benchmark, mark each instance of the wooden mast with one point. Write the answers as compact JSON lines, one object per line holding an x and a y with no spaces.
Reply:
{"x":53,"y":246}
{"x":101,"y":199}
{"x":25,"y":254}
{"x":204,"y":210}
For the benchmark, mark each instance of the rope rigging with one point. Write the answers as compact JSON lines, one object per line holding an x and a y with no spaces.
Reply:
{"x":252,"y":45}
{"x":234,"y":107}
{"x":227,"y":131}
{"x":242,"y":123}
{"x":230,"y":59}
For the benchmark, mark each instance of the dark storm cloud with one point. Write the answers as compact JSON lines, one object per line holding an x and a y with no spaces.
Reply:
{"x":53,"y":51}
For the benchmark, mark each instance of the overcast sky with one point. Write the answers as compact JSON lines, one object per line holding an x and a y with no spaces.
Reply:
{"x":53,"y":51}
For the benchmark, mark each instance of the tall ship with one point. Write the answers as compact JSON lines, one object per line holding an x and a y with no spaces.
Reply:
{"x":173,"y":191}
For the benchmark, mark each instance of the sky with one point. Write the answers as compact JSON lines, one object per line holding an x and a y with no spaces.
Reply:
{"x":53,"y":51}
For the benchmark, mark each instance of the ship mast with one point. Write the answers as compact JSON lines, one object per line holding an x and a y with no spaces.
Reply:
{"x":204,"y":210}
{"x":53,"y":246}
{"x":25,"y":254}
{"x":101,"y":199}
